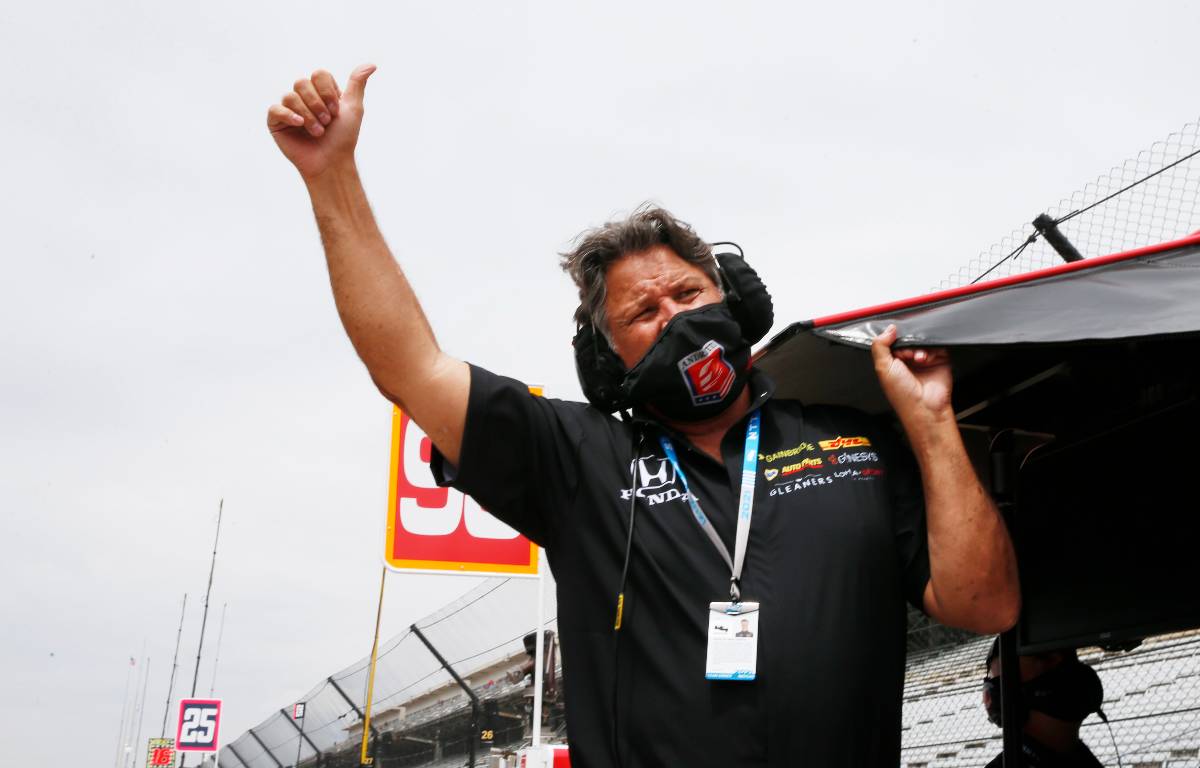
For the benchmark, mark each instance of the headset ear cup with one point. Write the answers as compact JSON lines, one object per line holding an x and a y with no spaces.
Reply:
{"x":747,"y":297}
{"x":599,"y":369}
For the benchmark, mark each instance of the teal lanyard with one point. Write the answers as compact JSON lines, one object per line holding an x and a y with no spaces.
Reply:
{"x":745,"y":505}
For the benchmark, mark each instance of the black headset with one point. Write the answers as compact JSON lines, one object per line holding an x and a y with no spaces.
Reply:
{"x":601,"y":372}
{"x":1082,"y":684}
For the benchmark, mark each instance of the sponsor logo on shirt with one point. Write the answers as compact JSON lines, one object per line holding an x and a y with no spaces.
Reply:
{"x":656,"y":481}
{"x":800,"y":484}
{"x":800,"y":466}
{"x":812,"y":481}
{"x":858,"y":457}
{"x":814,"y":471}
{"x":654,"y":472}
{"x":656,"y":478}
{"x":857,"y":474}
{"x":707,"y":374}
{"x":786,"y":453}
{"x":652,"y":499}
{"x":839,"y":442}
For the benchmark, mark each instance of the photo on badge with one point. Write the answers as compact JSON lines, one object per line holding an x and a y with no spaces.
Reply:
{"x":732,"y":641}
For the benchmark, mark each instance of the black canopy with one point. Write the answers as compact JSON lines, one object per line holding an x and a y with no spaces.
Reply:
{"x":1078,"y":397}
{"x":1148,"y":294}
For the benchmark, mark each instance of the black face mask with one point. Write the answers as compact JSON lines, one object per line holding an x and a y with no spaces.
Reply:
{"x":1069,"y":692}
{"x":992,"y":703}
{"x":695,"y":368}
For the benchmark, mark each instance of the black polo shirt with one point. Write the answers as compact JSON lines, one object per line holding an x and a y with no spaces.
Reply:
{"x":837,"y":544}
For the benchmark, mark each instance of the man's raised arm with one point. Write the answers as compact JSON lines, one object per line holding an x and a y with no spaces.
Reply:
{"x":316,"y":127}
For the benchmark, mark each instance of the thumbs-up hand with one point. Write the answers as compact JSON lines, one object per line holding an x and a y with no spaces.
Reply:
{"x":316,"y":124}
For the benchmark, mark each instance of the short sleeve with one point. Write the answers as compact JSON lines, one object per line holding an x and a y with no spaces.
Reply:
{"x":908,"y":514}
{"x":518,"y":457}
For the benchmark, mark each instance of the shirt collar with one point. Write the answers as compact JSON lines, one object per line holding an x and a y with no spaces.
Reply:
{"x":762,"y":388}
{"x":1039,"y":754}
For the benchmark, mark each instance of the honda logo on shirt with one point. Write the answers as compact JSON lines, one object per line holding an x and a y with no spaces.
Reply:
{"x":654,"y":473}
{"x":442,"y":529}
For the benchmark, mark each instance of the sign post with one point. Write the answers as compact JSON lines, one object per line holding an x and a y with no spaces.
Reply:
{"x":539,"y":659}
{"x":298,"y":714}
{"x":442,"y":530}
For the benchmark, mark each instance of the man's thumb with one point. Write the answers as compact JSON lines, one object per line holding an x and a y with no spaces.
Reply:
{"x":881,"y":347}
{"x":357,"y":84}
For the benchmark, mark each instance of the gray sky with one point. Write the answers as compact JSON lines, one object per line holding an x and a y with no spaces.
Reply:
{"x":167,"y":332}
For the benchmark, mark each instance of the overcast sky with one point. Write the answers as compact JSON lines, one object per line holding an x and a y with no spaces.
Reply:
{"x":167,"y":333}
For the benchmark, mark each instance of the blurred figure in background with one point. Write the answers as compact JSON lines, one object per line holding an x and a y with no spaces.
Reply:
{"x":1058,"y":691}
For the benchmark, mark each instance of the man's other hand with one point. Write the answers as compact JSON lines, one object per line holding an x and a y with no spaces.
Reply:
{"x":316,"y":124}
{"x":917,"y":382}
{"x":972,"y":569}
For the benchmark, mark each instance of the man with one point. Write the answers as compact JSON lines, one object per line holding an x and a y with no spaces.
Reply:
{"x":655,"y":523}
{"x":745,"y":630}
{"x":1057,"y":692}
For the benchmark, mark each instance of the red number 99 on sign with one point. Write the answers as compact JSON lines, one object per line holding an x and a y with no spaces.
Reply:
{"x":431,"y":528}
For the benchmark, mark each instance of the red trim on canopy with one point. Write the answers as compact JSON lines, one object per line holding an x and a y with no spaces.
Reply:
{"x":1003,"y":282}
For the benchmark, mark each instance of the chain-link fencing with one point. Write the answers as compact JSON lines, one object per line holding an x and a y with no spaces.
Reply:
{"x":1151,"y":699}
{"x":423,"y":719}
{"x":1148,"y":199}
{"x":419,"y":714}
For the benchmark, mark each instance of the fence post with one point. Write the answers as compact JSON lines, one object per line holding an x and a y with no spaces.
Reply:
{"x":350,"y":701}
{"x":239,"y":757}
{"x":303,"y":735}
{"x":474,"y":737}
{"x":265,"y":749}
{"x":1048,"y":227}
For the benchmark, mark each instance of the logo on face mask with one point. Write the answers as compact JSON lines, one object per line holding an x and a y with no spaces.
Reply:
{"x":707,"y":374}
